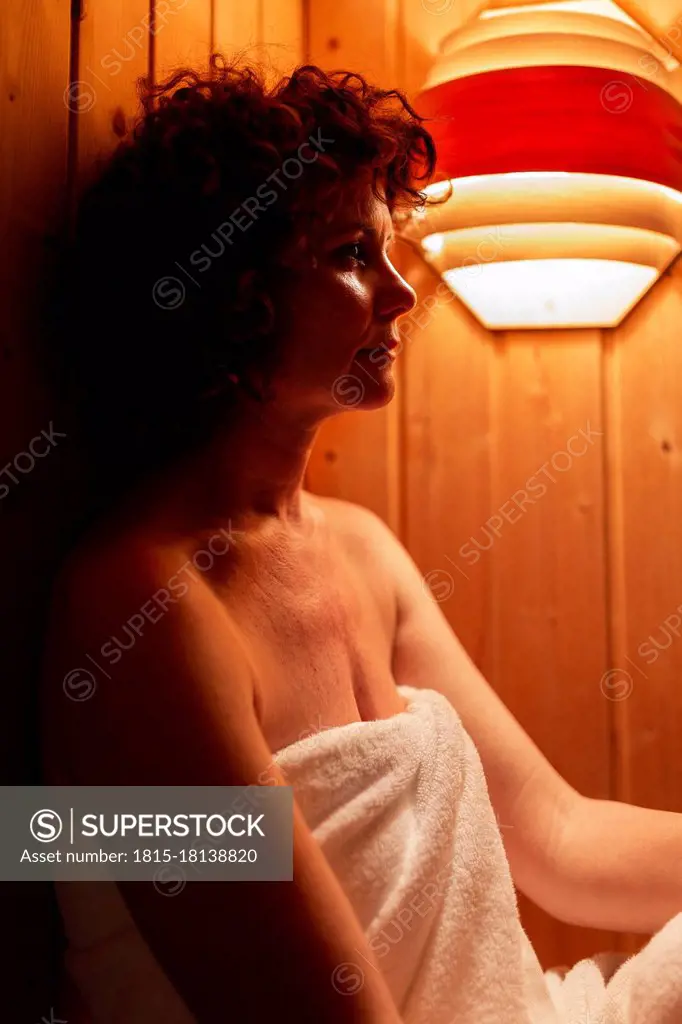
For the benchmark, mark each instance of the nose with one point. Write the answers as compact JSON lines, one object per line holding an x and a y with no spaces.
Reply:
{"x":396,"y":297}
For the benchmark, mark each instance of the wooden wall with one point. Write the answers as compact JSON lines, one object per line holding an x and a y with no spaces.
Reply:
{"x":34,"y":62}
{"x":559,"y":607}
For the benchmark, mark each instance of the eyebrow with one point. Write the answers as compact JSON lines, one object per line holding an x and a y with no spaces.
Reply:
{"x":358,"y":225}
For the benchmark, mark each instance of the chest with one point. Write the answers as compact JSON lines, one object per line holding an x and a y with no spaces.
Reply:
{"x":321,"y":636}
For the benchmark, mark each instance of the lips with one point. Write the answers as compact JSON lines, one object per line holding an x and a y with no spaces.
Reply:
{"x":377,"y":353}
{"x":382,"y":346}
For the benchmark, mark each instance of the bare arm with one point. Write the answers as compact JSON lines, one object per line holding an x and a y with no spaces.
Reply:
{"x":593,"y":863}
{"x":532,"y":801}
{"x":620,"y":867}
{"x":177,"y":711}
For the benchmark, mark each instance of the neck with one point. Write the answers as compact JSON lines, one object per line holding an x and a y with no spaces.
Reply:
{"x":251,"y":470}
{"x":256,"y":466}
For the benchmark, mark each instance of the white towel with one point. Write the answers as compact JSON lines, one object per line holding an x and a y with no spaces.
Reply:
{"x":401,"y":810}
{"x":645,"y":988}
{"x":400,"y":807}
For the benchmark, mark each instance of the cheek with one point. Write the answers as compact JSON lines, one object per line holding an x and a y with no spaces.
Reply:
{"x":343,"y":308}
{"x":342,"y":322}
{"x":354,"y":295}
{"x":325,"y":322}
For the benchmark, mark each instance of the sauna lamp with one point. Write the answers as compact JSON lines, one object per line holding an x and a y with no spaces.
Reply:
{"x":559,"y":128}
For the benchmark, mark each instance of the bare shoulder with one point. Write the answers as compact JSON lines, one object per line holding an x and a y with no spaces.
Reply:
{"x":134,"y":634}
{"x":131,"y":585}
{"x":354,"y":523}
{"x":374,"y":545}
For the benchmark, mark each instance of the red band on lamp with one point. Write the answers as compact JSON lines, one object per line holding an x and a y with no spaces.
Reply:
{"x":555,"y":118}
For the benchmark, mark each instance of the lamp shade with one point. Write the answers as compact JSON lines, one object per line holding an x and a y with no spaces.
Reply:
{"x":559,"y":128}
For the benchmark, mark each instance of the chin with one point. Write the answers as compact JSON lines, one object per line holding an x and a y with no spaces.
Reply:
{"x":376,"y":398}
{"x":360,"y":389}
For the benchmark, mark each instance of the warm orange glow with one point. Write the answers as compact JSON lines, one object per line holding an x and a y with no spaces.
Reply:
{"x":587,"y":32}
{"x":538,"y":269}
{"x":550,"y":293}
{"x":554,"y":248}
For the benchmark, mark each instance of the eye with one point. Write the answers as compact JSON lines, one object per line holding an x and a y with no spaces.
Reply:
{"x":353,"y":250}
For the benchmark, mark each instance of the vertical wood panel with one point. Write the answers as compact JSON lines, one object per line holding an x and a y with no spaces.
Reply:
{"x":446,"y":452}
{"x":282,"y":33}
{"x":34,"y":70}
{"x":267,"y":31}
{"x":181,"y":35}
{"x":112,"y":50}
{"x":34,"y":59}
{"x":336,"y":41}
{"x":111,"y":43}
{"x":283,"y":25}
{"x":113,"y":53}
{"x":544,"y":537}
{"x":644,"y":365}
{"x":357,"y":456}
{"x":522,"y":583}
{"x":238,"y":27}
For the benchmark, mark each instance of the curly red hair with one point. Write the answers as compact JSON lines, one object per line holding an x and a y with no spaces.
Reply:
{"x":168,"y":262}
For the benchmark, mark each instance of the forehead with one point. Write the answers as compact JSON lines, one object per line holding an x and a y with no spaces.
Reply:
{"x":361,"y":206}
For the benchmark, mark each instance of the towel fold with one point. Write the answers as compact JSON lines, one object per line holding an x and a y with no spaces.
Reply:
{"x":401,"y":810}
{"x":645,"y":988}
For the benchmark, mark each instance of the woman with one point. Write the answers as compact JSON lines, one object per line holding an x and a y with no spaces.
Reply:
{"x":233,"y":283}
{"x":200,"y":389}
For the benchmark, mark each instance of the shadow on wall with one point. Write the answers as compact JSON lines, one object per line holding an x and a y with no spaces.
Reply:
{"x":42,"y":498}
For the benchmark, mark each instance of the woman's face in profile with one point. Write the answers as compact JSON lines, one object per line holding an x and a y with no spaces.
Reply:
{"x":344,"y":300}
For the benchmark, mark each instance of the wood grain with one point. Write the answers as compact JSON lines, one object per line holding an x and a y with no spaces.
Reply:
{"x":547,"y":650}
{"x":180,"y":35}
{"x":644,"y":421}
{"x":34,"y":122}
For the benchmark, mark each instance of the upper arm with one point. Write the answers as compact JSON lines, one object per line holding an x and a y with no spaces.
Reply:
{"x":528,"y":794}
{"x":177,"y":709}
